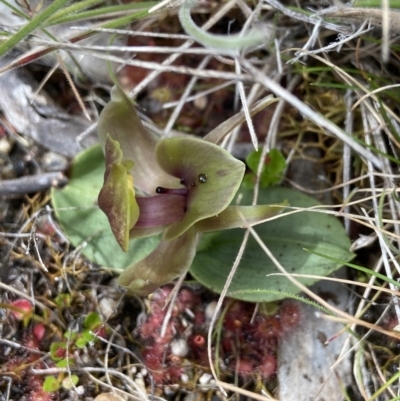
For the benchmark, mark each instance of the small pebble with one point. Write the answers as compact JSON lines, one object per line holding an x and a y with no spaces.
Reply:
{"x":205,"y":378}
{"x":80,"y":390}
{"x":5,"y":146}
{"x":168,"y":392}
{"x":107,"y":307}
{"x":200,"y":103}
{"x":54,"y":162}
{"x":210,"y":310}
{"x":179,"y":347}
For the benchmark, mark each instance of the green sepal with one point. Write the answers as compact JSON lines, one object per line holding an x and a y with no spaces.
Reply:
{"x":167,"y":262}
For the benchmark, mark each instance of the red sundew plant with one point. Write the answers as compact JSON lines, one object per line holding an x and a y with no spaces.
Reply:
{"x":37,"y":393}
{"x":248,"y":344}
{"x":289,"y":315}
{"x":267,"y":367}
{"x":22,"y":309}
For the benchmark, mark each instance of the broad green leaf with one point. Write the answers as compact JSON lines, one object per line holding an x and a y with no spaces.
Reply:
{"x":286,"y":237}
{"x":82,"y":221}
{"x":211,"y":175}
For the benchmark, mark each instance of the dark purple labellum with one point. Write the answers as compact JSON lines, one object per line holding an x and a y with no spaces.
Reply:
{"x":202,"y":178}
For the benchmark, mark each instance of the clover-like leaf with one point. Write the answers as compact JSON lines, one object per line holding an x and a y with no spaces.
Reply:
{"x":117,"y":196}
{"x":167,"y":262}
{"x":120,"y":120}
{"x":51,"y":384}
{"x":211,"y":176}
{"x":273,"y":167}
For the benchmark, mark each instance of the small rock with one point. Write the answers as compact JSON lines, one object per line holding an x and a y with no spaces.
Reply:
{"x":200,"y":103}
{"x":179,"y":347}
{"x":54,"y":162}
{"x":107,"y":307}
{"x":210,"y":310}
{"x":5,"y":146}
{"x":205,"y":378}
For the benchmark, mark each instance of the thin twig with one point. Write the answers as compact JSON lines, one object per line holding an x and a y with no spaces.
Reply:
{"x":30,"y":184}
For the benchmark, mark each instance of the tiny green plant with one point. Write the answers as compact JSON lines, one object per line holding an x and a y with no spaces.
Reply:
{"x":272,"y":169}
{"x":62,"y":352}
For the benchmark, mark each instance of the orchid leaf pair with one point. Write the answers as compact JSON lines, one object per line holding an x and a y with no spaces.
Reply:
{"x":183,"y":186}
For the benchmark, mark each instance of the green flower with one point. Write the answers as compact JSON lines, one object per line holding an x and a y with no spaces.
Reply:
{"x":184,"y":187}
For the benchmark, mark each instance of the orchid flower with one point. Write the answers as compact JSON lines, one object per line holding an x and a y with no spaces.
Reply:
{"x":179,"y":186}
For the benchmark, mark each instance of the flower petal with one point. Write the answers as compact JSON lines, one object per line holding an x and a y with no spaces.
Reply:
{"x":160,"y":210}
{"x":211,"y":175}
{"x":117,"y":196}
{"x":167,"y":262}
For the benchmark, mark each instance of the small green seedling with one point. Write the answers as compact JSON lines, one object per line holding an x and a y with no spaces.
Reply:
{"x":271,"y":173}
{"x":62,"y":352}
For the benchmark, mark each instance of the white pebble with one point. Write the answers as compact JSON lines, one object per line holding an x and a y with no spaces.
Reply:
{"x":54,"y":162}
{"x":5,"y":146}
{"x":205,"y":378}
{"x":107,"y":307}
{"x":179,"y":347}
{"x":210,"y":310}
{"x":201,"y":102}
{"x":80,"y":390}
